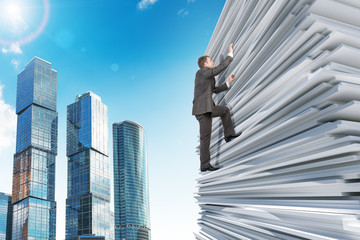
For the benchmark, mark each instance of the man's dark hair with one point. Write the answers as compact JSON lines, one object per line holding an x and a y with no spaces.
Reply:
{"x":202,"y":60}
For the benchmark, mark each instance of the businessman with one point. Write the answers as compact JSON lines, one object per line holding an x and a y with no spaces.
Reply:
{"x":205,"y":109}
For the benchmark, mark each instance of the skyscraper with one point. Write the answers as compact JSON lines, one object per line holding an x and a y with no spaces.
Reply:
{"x":33,"y":193}
{"x":88,"y":201}
{"x":5,"y":216}
{"x":131,"y":192}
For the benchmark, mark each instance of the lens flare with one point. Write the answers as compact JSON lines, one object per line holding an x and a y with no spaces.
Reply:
{"x":14,"y":10}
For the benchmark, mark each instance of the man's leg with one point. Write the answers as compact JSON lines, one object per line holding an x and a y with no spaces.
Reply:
{"x":205,"y":123}
{"x":224,"y":113}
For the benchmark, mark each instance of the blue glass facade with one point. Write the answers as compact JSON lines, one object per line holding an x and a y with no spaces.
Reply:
{"x":91,"y":237}
{"x":36,"y":85}
{"x":88,"y":200}
{"x":131,"y":192}
{"x":5,"y":216}
{"x":33,"y":193}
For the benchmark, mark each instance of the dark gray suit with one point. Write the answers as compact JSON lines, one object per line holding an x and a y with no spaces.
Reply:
{"x":204,"y":108}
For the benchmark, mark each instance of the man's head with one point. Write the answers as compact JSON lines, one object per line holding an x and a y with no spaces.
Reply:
{"x":205,"y":61}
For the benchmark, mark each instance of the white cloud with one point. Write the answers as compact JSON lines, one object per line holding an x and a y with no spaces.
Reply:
{"x":15,"y":62}
{"x":183,"y":12}
{"x":7,"y":123}
{"x":190,"y":1}
{"x":13,"y":48}
{"x":143,"y":4}
{"x":18,"y":24}
{"x":13,"y":23}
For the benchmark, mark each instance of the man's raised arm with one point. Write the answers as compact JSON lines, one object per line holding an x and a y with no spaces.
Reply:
{"x":211,"y":72}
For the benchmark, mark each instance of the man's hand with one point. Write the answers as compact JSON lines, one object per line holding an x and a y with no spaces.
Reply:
{"x":232,"y":76}
{"x":231,"y":49}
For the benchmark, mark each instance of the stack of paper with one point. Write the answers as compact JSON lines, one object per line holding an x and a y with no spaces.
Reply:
{"x":294,"y":173}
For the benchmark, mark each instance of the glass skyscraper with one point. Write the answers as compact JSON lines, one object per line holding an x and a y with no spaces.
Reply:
{"x":131,"y":192}
{"x":33,"y":190}
{"x":5,"y":216}
{"x":88,"y":200}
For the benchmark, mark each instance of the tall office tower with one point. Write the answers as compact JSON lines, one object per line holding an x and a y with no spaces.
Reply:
{"x":112,"y":225}
{"x":88,"y":201}
{"x":5,"y":216}
{"x":131,"y":191}
{"x":33,"y":190}
{"x":294,"y":171}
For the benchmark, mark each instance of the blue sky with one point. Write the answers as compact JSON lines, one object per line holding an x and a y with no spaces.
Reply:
{"x":140,"y":57}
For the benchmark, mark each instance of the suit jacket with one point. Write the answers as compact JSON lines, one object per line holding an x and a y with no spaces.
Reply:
{"x":205,"y":87}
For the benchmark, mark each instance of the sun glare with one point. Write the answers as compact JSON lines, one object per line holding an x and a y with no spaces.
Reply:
{"x":21,"y":21}
{"x":13,"y":10}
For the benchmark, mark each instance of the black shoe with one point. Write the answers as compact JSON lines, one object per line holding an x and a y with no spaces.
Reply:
{"x":211,"y":168}
{"x":231,"y":137}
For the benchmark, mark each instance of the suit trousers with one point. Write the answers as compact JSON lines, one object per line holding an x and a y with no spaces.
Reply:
{"x":205,"y":122}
